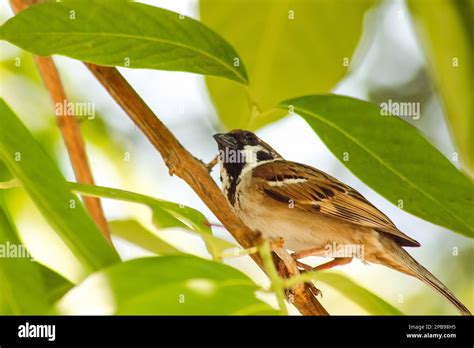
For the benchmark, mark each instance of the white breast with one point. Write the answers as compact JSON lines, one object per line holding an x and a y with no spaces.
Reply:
{"x":300,"y":230}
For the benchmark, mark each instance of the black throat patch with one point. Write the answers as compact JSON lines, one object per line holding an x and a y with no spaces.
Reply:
{"x":233,"y":171}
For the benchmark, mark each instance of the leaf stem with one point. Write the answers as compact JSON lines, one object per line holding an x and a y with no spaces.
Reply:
{"x":133,"y":197}
{"x":305,"y":277}
{"x":239,"y":252}
{"x":275,"y":279}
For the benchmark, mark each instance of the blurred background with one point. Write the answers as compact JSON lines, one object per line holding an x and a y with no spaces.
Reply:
{"x":389,"y":62}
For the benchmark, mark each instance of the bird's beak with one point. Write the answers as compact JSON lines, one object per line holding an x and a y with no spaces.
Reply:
{"x":225,"y":140}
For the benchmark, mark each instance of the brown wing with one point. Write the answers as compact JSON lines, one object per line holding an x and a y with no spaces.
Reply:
{"x":314,"y":191}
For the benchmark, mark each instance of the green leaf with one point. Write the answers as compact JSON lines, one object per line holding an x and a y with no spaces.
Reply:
{"x":167,"y":285}
{"x":120,"y":33}
{"x":353,"y":291}
{"x":164,"y":214}
{"x":22,"y":291}
{"x":395,"y":160}
{"x":449,"y":50}
{"x":193,"y":220}
{"x":56,"y":285}
{"x":284,"y":57}
{"x":134,"y":232}
{"x":46,"y":186}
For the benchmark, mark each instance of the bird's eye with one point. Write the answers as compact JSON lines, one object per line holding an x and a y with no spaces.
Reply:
{"x":248,"y":137}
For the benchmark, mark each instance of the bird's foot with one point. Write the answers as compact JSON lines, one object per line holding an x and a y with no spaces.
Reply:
{"x":308,"y":252}
{"x":283,"y":272}
{"x":303,"y":266}
{"x":314,"y":290}
{"x":333,"y":263}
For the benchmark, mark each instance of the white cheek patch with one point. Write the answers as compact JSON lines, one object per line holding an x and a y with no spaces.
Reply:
{"x":254,"y":148}
{"x":286,"y":182}
{"x":250,"y":153}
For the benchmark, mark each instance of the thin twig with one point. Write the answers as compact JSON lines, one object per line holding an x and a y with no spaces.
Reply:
{"x":212,"y":164}
{"x":70,"y":129}
{"x":276,"y":281}
{"x":190,"y":169}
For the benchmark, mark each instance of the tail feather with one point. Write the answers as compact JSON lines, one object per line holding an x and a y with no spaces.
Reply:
{"x":407,"y":264}
{"x":439,"y":287}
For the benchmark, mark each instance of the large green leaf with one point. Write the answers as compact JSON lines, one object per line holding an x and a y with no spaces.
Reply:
{"x":22,"y":290}
{"x":26,"y":287}
{"x":363,"y":297}
{"x":392,"y":157}
{"x":56,"y":285}
{"x":135,"y":233}
{"x":289,"y":47}
{"x":121,"y":33}
{"x":164,"y":214}
{"x":167,"y":285}
{"x":446,"y":30}
{"x":46,"y":186}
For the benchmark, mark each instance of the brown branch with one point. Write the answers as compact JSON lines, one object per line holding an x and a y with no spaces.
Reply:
{"x":176,"y":157}
{"x":191,"y":170}
{"x":70,"y":129}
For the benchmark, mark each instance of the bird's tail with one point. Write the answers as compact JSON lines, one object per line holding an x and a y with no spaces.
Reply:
{"x":407,"y":264}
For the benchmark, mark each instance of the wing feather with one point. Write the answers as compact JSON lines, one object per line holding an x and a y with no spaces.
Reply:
{"x":314,"y":191}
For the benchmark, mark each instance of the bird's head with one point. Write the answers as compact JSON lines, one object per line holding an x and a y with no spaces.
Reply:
{"x":243,"y":146}
{"x":239,"y":149}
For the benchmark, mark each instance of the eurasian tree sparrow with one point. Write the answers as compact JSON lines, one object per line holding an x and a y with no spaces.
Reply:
{"x":311,"y":210}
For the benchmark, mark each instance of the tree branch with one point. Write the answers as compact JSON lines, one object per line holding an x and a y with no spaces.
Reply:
{"x":176,"y":157}
{"x":193,"y":172}
{"x":70,"y":129}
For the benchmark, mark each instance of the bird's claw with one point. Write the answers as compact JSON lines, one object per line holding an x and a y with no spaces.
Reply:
{"x":314,"y":290}
{"x":282,"y":272}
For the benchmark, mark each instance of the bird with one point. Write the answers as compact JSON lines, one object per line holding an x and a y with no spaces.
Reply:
{"x":311,"y":211}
